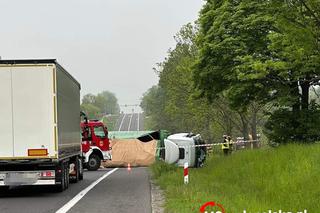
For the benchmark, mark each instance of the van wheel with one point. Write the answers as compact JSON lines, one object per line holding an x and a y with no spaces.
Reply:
{"x":94,"y":162}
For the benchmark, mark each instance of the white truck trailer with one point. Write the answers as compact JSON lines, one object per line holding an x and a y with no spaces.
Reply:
{"x":40,"y":140}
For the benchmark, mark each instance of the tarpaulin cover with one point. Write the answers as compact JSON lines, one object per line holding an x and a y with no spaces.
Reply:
{"x":132,"y":151}
{"x":127,"y":134}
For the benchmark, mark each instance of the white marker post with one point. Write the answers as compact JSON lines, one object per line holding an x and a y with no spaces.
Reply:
{"x":186,"y":173}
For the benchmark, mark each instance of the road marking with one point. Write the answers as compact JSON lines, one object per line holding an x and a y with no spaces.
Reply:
{"x":130,"y":122}
{"x":138,"y":121}
{"x":79,"y":196}
{"x":121,"y":123}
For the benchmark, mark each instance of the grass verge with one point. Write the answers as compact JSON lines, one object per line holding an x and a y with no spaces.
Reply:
{"x":285,"y":178}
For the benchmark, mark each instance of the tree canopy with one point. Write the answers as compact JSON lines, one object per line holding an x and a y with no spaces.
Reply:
{"x":103,"y":103}
{"x":174,"y":103}
{"x":265,"y":52}
{"x":245,"y":67}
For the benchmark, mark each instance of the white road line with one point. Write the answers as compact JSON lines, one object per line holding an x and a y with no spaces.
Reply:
{"x":130,"y":122}
{"x":138,"y":121}
{"x":79,"y":196}
{"x":121,"y":122}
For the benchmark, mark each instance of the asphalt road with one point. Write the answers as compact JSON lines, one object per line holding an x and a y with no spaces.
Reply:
{"x":130,"y":122}
{"x":121,"y":191}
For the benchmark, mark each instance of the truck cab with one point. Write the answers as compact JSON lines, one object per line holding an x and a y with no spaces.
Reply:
{"x":95,"y":143}
{"x":185,"y":147}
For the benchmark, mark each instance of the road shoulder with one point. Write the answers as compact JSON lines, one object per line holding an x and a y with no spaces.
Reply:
{"x":157,"y":198}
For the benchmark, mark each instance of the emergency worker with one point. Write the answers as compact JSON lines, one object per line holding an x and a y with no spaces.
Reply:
{"x":225,"y":145}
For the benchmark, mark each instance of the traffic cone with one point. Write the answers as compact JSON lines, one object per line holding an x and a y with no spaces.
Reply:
{"x":129,"y":167}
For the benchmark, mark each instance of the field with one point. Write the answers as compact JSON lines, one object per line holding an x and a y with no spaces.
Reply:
{"x":284,"y":178}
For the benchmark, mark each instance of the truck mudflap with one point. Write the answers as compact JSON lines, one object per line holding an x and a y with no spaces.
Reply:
{"x":20,"y":178}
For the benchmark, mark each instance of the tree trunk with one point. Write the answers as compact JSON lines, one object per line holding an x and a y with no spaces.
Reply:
{"x":305,"y":86}
{"x":226,"y":123}
{"x":245,"y":128}
{"x":295,"y":93}
{"x":229,"y":127}
{"x":253,"y":125}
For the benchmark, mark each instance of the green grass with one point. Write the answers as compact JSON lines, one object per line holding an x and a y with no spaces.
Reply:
{"x":286,"y":178}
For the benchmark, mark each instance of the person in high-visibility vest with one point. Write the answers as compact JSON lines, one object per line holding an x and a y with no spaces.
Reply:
{"x":225,"y":145}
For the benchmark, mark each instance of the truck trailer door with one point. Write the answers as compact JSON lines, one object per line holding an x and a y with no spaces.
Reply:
{"x":6,"y":134}
{"x":33,"y":110}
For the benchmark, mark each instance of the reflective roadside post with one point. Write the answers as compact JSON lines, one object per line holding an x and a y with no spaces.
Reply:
{"x":186,"y":173}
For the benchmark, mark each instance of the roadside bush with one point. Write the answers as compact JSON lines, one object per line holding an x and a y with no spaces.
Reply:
{"x":285,"y":126}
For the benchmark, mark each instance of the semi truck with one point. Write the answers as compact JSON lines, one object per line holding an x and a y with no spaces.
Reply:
{"x":40,"y":138}
{"x":95,"y":143}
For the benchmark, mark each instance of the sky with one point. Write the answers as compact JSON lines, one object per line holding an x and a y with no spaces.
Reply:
{"x":105,"y":44}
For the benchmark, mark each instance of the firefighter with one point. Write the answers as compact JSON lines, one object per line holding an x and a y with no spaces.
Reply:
{"x":230,"y":141}
{"x":225,"y":145}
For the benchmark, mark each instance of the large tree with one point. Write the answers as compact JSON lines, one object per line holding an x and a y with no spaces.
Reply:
{"x":174,"y":103}
{"x":262,"y":52}
{"x":231,"y":32}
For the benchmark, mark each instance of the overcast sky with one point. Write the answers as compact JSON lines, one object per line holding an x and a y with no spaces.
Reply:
{"x":105,"y":44}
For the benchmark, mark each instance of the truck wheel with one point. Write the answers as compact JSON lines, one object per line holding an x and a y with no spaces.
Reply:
{"x":94,"y":162}
{"x":4,"y":190}
{"x":81,"y":176}
{"x":80,"y":169}
{"x":62,"y":186}
{"x":67,"y":176}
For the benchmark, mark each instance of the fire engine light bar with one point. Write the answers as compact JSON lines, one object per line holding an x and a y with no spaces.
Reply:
{"x":37,"y":152}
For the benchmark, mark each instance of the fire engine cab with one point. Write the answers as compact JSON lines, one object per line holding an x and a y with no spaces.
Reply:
{"x":95,"y":143}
